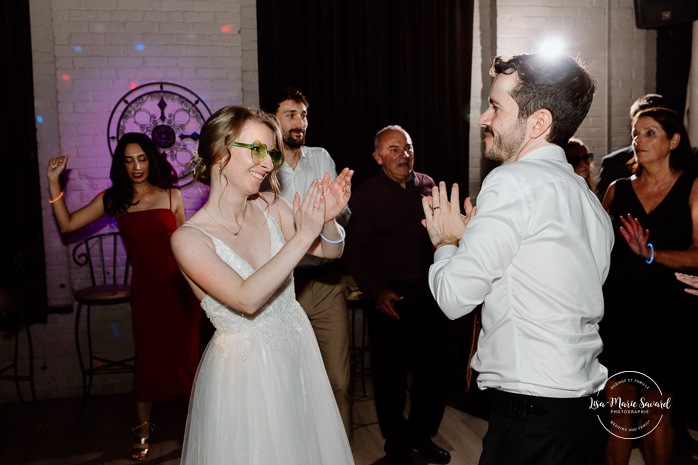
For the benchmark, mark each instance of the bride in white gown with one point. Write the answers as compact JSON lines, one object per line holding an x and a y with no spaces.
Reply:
{"x":261,"y":395}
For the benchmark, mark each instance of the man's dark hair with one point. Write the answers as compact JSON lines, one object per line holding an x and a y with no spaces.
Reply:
{"x":560,"y":85}
{"x":289,"y":93}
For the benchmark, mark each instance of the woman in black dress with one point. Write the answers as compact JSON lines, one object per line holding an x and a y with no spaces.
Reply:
{"x":648,"y":316}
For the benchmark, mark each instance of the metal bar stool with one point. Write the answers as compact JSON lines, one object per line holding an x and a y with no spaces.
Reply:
{"x":15,"y":279}
{"x":109,"y":266}
{"x":12,"y":324}
{"x":357,"y":305}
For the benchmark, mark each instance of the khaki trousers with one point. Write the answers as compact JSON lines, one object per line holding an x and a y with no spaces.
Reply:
{"x":321,"y":294}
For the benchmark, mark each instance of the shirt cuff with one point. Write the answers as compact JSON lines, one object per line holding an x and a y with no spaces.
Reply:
{"x":444,"y":252}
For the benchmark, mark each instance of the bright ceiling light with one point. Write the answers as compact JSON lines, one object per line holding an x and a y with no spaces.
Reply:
{"x":552,"y":47}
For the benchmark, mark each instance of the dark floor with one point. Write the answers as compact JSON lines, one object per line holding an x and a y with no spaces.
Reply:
{"x":56,"y":432}
{"x":97,"y":431}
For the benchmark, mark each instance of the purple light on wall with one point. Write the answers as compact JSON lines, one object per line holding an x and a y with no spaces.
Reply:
{"x":78,"y":49}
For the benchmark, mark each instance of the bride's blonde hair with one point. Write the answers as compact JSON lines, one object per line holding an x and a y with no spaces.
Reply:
{"x":224,"y":127}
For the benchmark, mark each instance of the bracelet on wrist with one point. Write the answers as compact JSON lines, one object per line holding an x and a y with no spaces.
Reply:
{"x":651,"y":259}
{"x":60,"y":196}
{"x":342,"y":236}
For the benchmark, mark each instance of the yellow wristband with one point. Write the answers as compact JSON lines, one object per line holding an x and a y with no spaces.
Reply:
{"x":60,"y":196}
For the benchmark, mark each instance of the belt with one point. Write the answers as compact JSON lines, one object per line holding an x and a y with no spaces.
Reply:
{"x":509,"y":403}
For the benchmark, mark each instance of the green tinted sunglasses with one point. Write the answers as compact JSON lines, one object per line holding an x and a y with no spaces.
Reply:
{"x":260,"y":152}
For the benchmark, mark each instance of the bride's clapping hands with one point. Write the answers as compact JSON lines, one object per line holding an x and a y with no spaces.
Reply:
{"x":336,"y":193}
{"x":310,"y":213}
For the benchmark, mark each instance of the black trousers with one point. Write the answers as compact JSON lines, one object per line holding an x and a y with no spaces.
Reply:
{"x":418,"y":342}
{"x":528,"y":430}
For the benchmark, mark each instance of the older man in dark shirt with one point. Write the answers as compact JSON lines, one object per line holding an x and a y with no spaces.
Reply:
{"x":388,"y":252}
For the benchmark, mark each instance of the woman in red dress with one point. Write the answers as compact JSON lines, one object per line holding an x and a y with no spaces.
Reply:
{"x":165,"y":315}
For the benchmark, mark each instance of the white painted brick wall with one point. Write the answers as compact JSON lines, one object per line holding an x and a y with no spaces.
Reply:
{"x":85,"y":59}
{"x":602,"y":33}
{"x":185,"y":44}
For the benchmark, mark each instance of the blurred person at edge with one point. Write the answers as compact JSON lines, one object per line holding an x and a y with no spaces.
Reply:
{"x":579,"y":156}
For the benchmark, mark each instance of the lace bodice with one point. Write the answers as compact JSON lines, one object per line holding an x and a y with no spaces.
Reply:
{"x":280,"y":313}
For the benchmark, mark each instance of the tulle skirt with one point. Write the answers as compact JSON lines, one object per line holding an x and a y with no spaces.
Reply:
{"x":263,"y":398}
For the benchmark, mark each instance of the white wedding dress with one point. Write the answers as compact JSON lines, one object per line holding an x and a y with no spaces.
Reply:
{"x":261,"y":394}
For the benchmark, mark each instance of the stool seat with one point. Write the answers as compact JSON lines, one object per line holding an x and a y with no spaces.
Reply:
{"x":101,"y":295}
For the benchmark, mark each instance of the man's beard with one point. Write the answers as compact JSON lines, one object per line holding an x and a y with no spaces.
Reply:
{"x":292,"y":142}
{"x":505,"y":146}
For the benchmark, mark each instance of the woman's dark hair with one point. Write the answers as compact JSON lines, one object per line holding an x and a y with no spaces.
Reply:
{"x":119,"y":197}
{"x":574,"y":149}
{"x":224,"y":127}
{"x":682,"y":157}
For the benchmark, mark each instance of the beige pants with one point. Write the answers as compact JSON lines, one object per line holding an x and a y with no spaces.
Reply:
{"x":324,"y":302}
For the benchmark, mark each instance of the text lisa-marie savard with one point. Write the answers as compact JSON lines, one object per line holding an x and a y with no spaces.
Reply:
{"x":620,"y":403}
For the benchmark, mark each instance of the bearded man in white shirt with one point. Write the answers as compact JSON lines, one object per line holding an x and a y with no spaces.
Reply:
{"x":318,"y":282}
{"x":536,"y":253}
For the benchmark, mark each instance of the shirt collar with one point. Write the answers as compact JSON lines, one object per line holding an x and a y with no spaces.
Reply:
{"x":285,"y":163}
{"x":554,"y":152}
{"x":384,"y":178}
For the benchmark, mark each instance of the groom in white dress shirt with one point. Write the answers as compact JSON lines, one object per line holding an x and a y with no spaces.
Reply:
{"x":536,"y":251}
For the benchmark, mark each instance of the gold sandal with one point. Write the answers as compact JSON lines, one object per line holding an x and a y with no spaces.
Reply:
{"x":140,"y":446}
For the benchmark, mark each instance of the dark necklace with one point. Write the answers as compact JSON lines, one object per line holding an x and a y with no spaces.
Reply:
{"x":235,"y":234}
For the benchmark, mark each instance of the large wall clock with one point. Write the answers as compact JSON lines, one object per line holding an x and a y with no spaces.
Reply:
{"x":171,"y":115}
